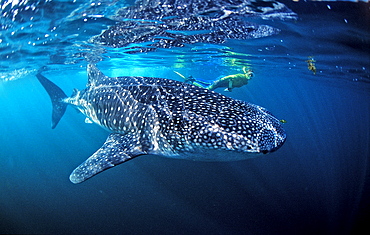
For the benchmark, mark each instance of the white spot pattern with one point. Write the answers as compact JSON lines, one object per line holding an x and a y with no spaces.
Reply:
{"x":171,"y":118}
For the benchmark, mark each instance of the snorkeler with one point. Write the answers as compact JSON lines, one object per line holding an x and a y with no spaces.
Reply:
{"x":230,"y":81}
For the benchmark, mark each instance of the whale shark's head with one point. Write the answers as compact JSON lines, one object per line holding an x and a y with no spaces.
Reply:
{"x":268,"y":131}
{"x":237,"y":126}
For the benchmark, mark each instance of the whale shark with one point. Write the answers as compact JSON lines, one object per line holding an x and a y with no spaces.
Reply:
{"x":158,"y":116}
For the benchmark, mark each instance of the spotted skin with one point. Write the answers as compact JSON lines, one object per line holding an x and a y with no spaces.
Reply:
{"x":170,"y":118}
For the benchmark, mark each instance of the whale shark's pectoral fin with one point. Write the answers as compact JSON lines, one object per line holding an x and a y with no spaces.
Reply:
{"x":116,"y":150}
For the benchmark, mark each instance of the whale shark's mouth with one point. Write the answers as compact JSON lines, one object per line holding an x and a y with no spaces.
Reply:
{"x":280,"y":143}
{"x":272,"y":140}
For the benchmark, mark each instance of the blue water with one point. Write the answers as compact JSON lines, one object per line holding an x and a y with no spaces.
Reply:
{"x":317,"y":183}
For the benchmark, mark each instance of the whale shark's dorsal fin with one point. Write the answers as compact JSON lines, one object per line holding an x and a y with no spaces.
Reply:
{"x":95,"y":76}
{"x":116,"y":150}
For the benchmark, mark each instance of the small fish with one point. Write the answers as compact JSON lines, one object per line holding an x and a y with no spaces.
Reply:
{"x":311,"y":64}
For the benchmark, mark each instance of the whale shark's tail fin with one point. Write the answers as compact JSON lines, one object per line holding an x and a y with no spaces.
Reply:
{"x":56,"y":95}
